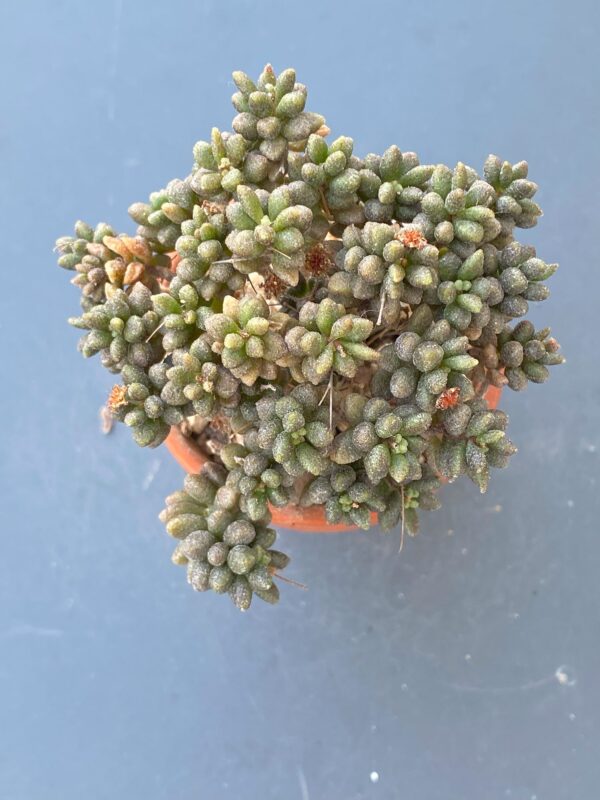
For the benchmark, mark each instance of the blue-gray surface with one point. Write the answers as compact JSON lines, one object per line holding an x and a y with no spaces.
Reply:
{"x":468,"y":667}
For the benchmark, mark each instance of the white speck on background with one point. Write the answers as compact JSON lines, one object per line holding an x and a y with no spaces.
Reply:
{"x":564,"y":677}
{"x":468,"y":656}
{"x":31,"y":630}
{"x":570,"y":503}
{"x":374,"y":776}
{"x":571,"y":716}
{"x":404,"y":687}
{"x":303,"y":784}
{"x":151,"y":474}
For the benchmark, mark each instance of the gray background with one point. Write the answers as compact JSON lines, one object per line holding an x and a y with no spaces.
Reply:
{"x":468,"y":666}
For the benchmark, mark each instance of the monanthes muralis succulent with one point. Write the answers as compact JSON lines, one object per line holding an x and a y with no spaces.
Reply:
{"x":246,"y":337}
{"x":336,"y":319}
{"x":328,"y":340}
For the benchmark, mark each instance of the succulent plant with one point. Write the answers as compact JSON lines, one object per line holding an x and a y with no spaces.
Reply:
{"x":327,"y":341}
{"x":386,"y":262}
{"x":348,"y":497}
{"x":525,"y":354}
{"x":219,"y":166}
{"x":220,"y":546}
{"x":159,"y":220}
{"x":323,"y":326}
{"x":474,"y":439}
{"x":195,"y":377}
{"x":269,"y":224}
{"x":105,"y":262}
{"x":271,"y":115}
{"x":203,"y":259}
{"x":335,"y":173}
{"x":121,"y":330}
{"x":392,"y":185}
{"x":246,"y":338}
{"x":386,"y":438}
{"x":428,"y":362}
{"x":295,"y":431}
{"x":254,"y":480}
{"x":139,"y":403}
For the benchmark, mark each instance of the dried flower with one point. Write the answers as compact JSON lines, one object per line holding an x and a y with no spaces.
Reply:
{"x":117,"y":398}
{"x":411,"y":237}
{"x":211,"y":208}
{"x":273,"y":287}
{"x":318,"y":261}
{"x":448,"y":398}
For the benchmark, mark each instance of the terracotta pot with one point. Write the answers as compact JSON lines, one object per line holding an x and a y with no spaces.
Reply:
{"x":306,"y":520}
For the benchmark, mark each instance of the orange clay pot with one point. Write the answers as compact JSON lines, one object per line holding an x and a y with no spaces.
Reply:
{"x":305,"y":520}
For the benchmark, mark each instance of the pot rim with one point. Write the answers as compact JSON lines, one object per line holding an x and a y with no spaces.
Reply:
{"x":306,"y":520}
